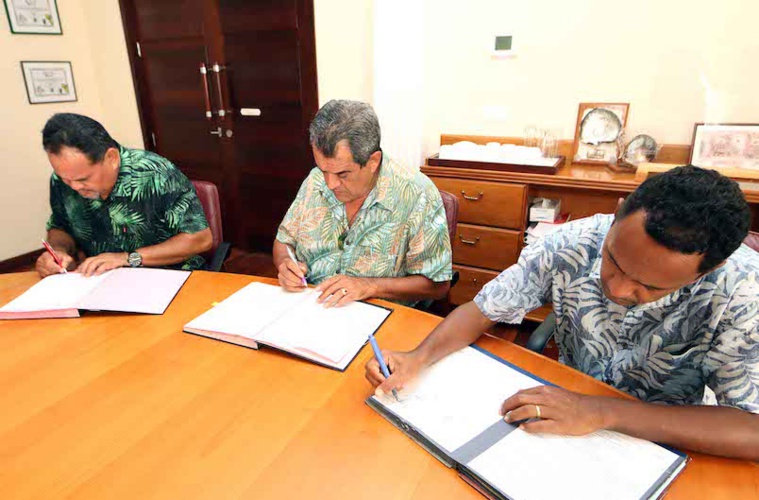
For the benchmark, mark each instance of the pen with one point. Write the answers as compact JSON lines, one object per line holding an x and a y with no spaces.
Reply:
{"x":381,"y":361}
{"x":55,"y":256}
{"x":292,"y":256}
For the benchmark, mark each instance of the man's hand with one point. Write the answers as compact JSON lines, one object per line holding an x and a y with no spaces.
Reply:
{"x":46,"y":264}
{"x":561,"y":411}
{"x":341,"y":290}
{"x":99,"y":264}
{"x":291,"y":275}
{"x":403,"y":367}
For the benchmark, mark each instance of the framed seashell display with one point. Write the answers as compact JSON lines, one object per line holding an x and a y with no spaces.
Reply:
{"x":599,"y":126}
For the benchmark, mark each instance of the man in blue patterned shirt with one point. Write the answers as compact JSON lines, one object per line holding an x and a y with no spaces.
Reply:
{"x":659,"y":301}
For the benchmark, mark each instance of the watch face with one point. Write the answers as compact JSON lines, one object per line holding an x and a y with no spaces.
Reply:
{"x":134,"y":259}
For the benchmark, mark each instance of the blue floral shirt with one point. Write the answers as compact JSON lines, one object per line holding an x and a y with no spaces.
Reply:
{"x":667,"y":351}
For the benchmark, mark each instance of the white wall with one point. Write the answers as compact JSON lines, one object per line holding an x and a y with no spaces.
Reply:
{"x":94,"y":43}
{"x":344,"y":49}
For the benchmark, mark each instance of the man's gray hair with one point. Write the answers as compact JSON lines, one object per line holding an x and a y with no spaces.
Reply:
{"x":353,"y":121}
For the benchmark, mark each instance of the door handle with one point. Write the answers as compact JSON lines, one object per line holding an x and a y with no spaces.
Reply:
{"x":217,"y":68}
{"x":469,"y":242}
{"x":206,"y":92}
{"x":472,"y":198}
{"x":216,"y":132}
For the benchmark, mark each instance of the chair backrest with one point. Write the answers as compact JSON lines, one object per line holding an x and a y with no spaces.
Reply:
{"x":451,"y":205}
{"x":209,"y":198}
{"x":752,"y":241}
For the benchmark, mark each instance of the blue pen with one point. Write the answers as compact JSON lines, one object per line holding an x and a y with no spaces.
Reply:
{"x":381,"y":361}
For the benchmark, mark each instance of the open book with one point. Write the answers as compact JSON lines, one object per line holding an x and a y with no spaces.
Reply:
{"x":139,"y":290}
{"x":452,"y":411}
{"x":292,"y":322}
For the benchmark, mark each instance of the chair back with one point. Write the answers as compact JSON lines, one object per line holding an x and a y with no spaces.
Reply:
{"x":752,"y":241}
{"x":209,"y":198}
{"x":451,"y":205}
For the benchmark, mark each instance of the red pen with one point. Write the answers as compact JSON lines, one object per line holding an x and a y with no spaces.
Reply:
{"x":55,"y":256}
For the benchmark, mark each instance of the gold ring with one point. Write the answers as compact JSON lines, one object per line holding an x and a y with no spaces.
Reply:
{"x":345,"y":291}
{"x":537,"y":411}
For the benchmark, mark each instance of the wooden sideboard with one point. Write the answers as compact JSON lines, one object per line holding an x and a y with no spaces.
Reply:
{"x":493,"y":206}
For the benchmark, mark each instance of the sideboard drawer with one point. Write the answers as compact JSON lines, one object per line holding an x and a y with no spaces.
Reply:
{"x":470,"y":282}
{"x":487,"y":203}
{"x":487,"y":247}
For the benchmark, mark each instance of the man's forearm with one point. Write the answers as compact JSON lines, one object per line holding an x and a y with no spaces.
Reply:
{"x":61,"y":240}
{"x":414,"y":287}
{"x":176,"y":249}
{"x":462,"y":327}
{"x":707,"y":429}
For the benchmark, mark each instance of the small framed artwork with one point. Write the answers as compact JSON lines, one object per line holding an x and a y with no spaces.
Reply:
{"x":33,"y":17}
{"x":733,"y":145}
{"x":48,"y":81}
{"x":599,"y":127}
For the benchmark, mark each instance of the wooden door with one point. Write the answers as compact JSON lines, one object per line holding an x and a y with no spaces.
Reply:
{"x":258,"y":55}
{"x":270,"y":71}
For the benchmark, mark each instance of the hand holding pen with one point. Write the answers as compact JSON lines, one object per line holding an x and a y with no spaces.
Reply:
{"x":292,"y":274}
{"x":52,"y":262}
{"x":381,"y":361}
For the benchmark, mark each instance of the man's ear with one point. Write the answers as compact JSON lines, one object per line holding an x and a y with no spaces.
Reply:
{"x":112,"y":158}
{"x":374,"y":161}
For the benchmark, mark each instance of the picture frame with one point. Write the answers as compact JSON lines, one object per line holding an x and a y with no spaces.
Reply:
{"x":49,"y":81}
{"x":725,"y":145}
{"x":33,"y":17}
{"x":598,"y":128}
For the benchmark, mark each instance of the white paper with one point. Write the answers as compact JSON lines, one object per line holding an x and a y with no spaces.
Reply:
{"x":459,"y":397}
{"x":57,"y":291}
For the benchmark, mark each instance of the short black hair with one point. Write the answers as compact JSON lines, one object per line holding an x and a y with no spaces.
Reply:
{"x":692,"y":210}
{"x":77,"y":131}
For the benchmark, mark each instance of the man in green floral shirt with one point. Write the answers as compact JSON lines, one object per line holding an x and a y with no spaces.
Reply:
{"x":363,"y":226}
{"x":115,"y":207}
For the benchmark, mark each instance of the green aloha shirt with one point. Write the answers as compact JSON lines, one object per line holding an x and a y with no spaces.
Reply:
{"x":400,"y":230}
{"x":150,"y":202}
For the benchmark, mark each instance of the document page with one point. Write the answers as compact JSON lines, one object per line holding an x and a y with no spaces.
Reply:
{"x":57,"y":291}
{"x":334,"y":334}
{"x":139,"y":290}
{"x":248,"y":311}
{"x":600,"y":466}
{"x":458,"y":397}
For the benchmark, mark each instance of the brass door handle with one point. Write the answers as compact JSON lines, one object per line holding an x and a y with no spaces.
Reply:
{"x":217,"y":69}
{"x":472,"y":198}
{"x":469,"y":242}
{"x":206,"y":92}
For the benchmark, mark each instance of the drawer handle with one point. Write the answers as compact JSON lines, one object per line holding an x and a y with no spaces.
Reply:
{"x":472,"y":198}
{"x":469,"y":242}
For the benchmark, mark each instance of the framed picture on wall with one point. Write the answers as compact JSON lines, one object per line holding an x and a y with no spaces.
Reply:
{"x":599,"y":127}
{"x":48,"y":81}
{"x":33,"y":17}
{"x":725,"y":145}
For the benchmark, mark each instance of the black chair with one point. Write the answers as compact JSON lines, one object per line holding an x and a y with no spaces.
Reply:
{"x":542,"y":334}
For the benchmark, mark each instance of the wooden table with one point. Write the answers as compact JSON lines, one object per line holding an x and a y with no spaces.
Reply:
{"x":127,"y":406}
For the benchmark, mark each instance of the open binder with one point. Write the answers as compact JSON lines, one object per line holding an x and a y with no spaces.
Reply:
{"x":131,"y":290}
{"x":451,"y":410}
{"x":261,"y":314}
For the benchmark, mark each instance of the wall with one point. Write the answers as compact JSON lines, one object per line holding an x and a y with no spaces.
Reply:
{"x":94,"y":43}
{"x":676,"y":63}
{"x":344,"y":49}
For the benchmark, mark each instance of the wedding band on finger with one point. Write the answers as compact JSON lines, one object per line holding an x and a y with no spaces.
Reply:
{"x":344,"y":291}
{"x":537,"y":411}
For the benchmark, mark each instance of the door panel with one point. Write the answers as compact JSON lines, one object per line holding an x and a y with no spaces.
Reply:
{"x":163,"y":19}
{"x":246,"y":15}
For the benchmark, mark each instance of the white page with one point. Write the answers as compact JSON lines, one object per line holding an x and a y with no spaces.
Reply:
{"x":333,"y":333}
{"x":57,"y":291}
{"x":458,"y":397}
{"x":247,"y":311}
{"x":136,"y":290}
{"x":599,"y":466}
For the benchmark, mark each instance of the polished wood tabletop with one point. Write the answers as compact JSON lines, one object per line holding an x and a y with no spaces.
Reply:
{"x":116,"y":406}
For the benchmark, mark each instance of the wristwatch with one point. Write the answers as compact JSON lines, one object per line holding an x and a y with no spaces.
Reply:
{"x":134,"y":259}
